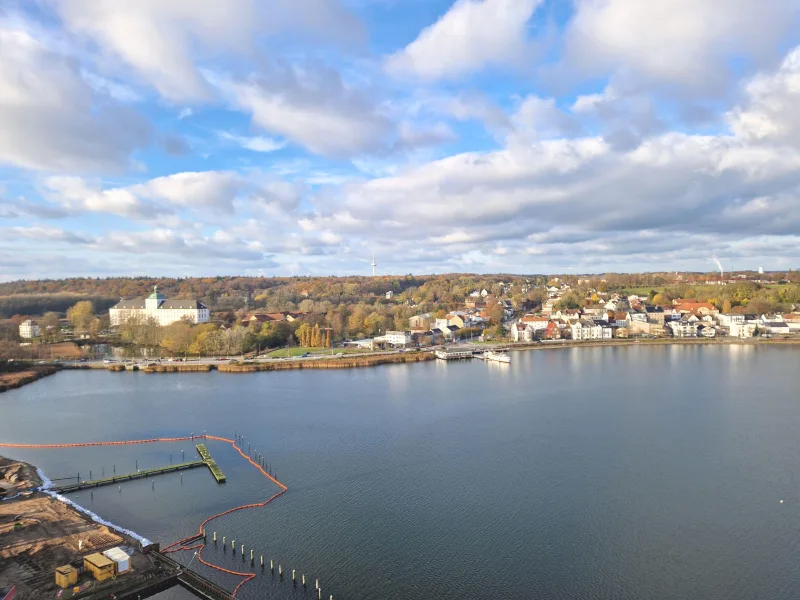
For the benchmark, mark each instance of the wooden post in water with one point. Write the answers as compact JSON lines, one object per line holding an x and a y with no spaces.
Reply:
{"x":294,"y":578}
{"x":271,"y":565}
{"x":262,"y":561}
{"x":280,"y":570}
{"x":319,"y":593}
{"x":242,"y":551}
{"x":304,"y":580}
{"x":90,"y":474}
{"x":215,"y":538}
{"x":317,"y":585}
{"x":252,"y":557}
{"x":233,"y":545}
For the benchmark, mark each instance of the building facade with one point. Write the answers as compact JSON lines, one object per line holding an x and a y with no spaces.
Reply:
{"x":398,"y":338}
{"x":28,"y":330}
{"x":157,"y":306}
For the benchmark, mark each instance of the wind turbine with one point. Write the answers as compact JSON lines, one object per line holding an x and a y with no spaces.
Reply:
{"x":374,"y":264}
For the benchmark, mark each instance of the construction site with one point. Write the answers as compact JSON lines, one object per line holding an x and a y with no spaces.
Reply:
{"x":50,"y":549}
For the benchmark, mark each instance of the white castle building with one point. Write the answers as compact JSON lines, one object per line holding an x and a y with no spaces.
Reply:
{"x":157,"y":306}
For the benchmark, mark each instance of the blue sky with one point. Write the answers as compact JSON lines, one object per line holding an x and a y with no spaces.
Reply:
{"x":281,"y":137}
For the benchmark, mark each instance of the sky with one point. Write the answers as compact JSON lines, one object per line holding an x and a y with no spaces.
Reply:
{"x":302,"y":137}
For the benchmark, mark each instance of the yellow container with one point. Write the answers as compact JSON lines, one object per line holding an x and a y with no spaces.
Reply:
{"x":66,"y":576}
{"x":99,"y":566}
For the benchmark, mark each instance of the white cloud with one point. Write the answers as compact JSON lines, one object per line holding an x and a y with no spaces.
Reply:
{"x":256,"y":144}
{"x":313,"y":108}
{"x":772,"y":106}
{"x":470,"y":36}
{"x":201,"y":193}
{"x":683,"y":42}
{"x":161,"y":41}
{"x":49,"y":116}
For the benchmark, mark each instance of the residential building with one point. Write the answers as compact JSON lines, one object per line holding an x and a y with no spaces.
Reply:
{"x":553,"y":331}
{"x":595,"y":310}
{"x":742,"y":329}
{"x":699,"y":308}
{"x":455,"y":319}
{"x":28,"y":330}
{"x":421,"y":321}
{"x":568,"y":314}
{"x":655,"y":314}
{"x":589,"y":330}
{"x":158,"y":307}
{"x":706,"y":330}
{"x":683,"y":328}
{"x":536,"y":323}
{"x":389,"y":295}
{"x":450,"y":332}
{"x":728,"y":319}
{"x":774,"y":327}
{"x":398,"y":338}
{"x":522,"y":332}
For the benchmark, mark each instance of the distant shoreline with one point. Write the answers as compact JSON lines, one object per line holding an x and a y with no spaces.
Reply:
{"x":14,"y":380}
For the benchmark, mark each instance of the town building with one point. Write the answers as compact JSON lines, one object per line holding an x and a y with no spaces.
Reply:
{"x":590,"y":330}
{"x":398,"y":338}
{"x":28,"y":330}
{"x":683,"y":328}
{"x":421,"y":321}
{"x":158,"y":307}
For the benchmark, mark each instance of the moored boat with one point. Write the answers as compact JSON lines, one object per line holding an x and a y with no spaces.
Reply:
{"x":497,"y":356}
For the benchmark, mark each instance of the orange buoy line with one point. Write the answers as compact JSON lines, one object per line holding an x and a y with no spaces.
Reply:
{"x":180,"y":545}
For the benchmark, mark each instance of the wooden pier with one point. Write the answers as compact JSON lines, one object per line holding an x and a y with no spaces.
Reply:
{"x":211,"y":463}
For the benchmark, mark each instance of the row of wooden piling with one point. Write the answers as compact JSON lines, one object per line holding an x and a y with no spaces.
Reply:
{"x":317,"y":586}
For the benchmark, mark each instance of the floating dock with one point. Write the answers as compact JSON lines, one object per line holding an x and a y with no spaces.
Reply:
{"x":211,"y":463}
{"x":205,"y":461}
{"x":65,"y":489}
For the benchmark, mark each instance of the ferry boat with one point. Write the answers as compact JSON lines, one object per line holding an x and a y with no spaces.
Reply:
{"x":497,"y":356}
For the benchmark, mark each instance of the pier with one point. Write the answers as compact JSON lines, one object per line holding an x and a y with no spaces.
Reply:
{"x":65,"y":489}
{"x":206,"y":461}
{"x":205,"y":455}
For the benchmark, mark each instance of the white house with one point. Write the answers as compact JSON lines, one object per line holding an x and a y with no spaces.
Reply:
{"x":742,"y":329}
{"x":158,"y":307}
{"x":28,"y":330}
{"x":389,"y":295}
{"x":398,"y":338}
{"x":523,"y":332}
{"x":728,"y":319}
{"x":590,"y":330}
{"x":683,"y":329}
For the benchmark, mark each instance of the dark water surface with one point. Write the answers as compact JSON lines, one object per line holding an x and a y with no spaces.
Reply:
{"x":621,"y":473}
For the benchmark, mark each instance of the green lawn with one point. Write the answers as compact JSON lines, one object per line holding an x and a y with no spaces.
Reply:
{"x":286,"y":352}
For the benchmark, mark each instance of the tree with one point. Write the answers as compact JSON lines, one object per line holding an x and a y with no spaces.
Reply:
{"x":659,"y":300}
{"x":80,"y":315}
{"x":303,"y":334}
{"x":328,"y":339}
{"x":726,"y":306}
{"x":50,"y":325}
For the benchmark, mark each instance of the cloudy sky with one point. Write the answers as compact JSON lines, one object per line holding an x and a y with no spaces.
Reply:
{"x":199,"y":137}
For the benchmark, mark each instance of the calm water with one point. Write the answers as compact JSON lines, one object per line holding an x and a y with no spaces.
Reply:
{"x":569,"y":474}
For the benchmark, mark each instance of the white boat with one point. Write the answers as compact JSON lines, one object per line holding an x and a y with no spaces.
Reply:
{"x":497,"y":356}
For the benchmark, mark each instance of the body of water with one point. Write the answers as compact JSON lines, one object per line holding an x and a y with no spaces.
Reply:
{"x":589,"y":473}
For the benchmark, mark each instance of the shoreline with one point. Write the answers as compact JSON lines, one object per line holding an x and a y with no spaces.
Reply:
{"x":518,"y":346}
{"x":17,"y":379}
